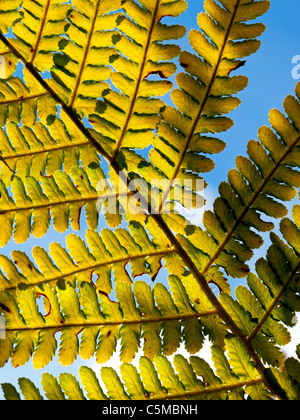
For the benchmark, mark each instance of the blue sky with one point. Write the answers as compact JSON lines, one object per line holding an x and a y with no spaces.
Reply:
{"x":270,"y":81}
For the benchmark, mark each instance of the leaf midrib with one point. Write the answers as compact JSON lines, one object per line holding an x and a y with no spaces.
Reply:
{"x":211,"y":390}
{"x":34,"y":52}
{"x":275,"y":302}
{"x":86,"y":52}
{"x":209,"y":88}
{"x":138,"y":84}
{"x":44,"y":150}
{"x":103,"y":323}
{"x":93,"y":267}
{"x":22,"y":98}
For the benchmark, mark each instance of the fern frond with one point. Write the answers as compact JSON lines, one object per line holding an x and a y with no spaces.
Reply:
{"x":206,"y":89}
{"x":92,"y":324}
{"x":131,"y":116}
{"x":38,"y":33}
{"x":259,"y":184}
{"x":110,"y":250}
{"x":24,"y":101}
{"x":62,"y":195}
{"x":277,"y":287}
{"x":285,"y":382}
{"x":290,"y":379}
{"x":56,"y":97}
{"x":39,"y":151}
{"x":68,"y":73}
{"x":237,"y":377}
{"x":80,"y":71}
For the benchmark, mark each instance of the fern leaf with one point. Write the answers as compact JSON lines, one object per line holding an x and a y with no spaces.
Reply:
{"x":224,"y":371}
{"x":39,"y":150}
{"x":10,"y":392}
{"x":131,"y":116}
{"x":87,"y":320}
{"x":51,"y":387}
{"x":38,"y":32}
{"x":116,"y":390}
{"x":29,"y":390}
{"x":167,"y":376}
{"x":91,"y":324}
{"x":187,"y":375}
{"x":278,"y":281}
{"x":91,"y":384}
{"x":10,"y":14}
{"x":259,"y":184}
{"x":81,"y":69}
{"x":266,"y":349}
{"x":64,"y":195}
{"x":59,"y":100}
{"x":150,"y":378}
{"x":71,"y":387}
{"x":288,"y":388}
{"x":158,"y":380}
{"x":133,"y":383}
{"x":171,"y":330}
{"x":205,"y":91}
{"x":239,"y":360}
{"x":193,"y":333}
{"x":290,"y":381}
{"x":105,"y":253}
{"x":23,"y":100}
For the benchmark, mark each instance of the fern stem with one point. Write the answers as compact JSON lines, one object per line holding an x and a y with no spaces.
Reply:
{"x":95,"y":266}
{"x":137,"y":87}
{"x":21,"y":99}
{"x":42,"y":151}
{"x":86,"y":52}
{"x":34,"y":52}
{"x":53,"y":204}
{"x":179,"y":317}
{"x":48,"y":205}
{"x":203,"y":104}
{"x":212,"y":390}
{"x":276,"y":300}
